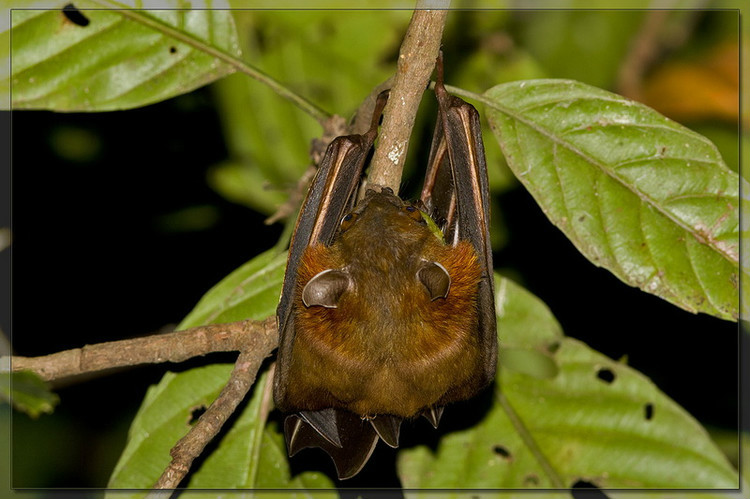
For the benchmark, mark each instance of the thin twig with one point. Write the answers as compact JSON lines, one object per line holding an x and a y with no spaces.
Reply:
{"x":416,"y":61}
{"x":210,"y":423}
{"x":171,"y":347}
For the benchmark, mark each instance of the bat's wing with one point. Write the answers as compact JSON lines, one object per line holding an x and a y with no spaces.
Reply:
{"x":343,"y":435}
{"x":347,"y":438}
{"x":456,"y":194}
{"x":331,"y":195}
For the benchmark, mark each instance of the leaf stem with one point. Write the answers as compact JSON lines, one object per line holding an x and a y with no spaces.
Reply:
{"x":238,"y":64}
{"x":465,"y":93}
{"x":525,"y":435}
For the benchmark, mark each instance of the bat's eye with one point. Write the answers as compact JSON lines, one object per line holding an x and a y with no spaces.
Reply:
{"x":348,"y":220}
{"x":413,"y":213}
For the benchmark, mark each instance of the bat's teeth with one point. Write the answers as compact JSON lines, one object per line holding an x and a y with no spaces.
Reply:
{"x":388,"y":428}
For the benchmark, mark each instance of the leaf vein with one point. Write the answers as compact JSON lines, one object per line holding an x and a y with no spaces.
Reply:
{"x":698,"y":276}
{"x":605,"y":232}
{"x":635,"y":161}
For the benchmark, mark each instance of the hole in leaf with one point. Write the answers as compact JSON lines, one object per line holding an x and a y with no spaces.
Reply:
{"x":587,"y":490}
{"x":75,"y":16}
{"x":195,"y":414}
{"x":172,"y":50}
{"x":501,"y":451}
{"x":553,"y":347}
{"x":530,"y":480}
{"x":648,"y":411}
{"x":606,"y":375}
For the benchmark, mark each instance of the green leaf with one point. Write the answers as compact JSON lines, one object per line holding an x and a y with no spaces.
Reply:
{"x":745,"y":262}
{"x":593,"y":494}
{"x":164,"y":418}
{"x":637,"y":193}
{"x":251,"y":454}
{"x":116,"y":61}
{"x":615,"y":432}
{"x":28,"y":393}
{"x":255,"y":453}
{"x":250,"y":292}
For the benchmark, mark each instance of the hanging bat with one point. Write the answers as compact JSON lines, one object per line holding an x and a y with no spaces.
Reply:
{"x":384,"y":315}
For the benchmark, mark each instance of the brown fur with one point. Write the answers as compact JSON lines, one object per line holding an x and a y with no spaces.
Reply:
{"x":386,"y":348}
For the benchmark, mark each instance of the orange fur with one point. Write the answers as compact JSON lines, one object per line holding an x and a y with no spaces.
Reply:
{"x":387,"y":348}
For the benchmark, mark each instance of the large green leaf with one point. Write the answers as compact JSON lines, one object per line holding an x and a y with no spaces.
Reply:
{"x":595,"y":420}
{"x":257,"y":454}
{"x":582,"y":493}
{"x":115,"y":61}
{"x":251,"y":454}
{"x":745,"y":258}
{"x":637,"y":193}
{"x":164,"y":417}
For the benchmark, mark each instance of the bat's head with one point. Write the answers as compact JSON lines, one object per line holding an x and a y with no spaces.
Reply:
{"x":382,"y":223}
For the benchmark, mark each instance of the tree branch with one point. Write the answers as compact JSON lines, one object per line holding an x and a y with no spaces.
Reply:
{"x":416,"y":61}
{"x":209,"y":424}
{"x":255,"y":337}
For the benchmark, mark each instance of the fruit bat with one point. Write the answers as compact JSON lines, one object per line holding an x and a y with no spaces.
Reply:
{"x":387,"y":307}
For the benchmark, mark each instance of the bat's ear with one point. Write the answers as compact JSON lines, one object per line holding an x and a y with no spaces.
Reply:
{"x":435,"y":279}
{"x":326,"y":288}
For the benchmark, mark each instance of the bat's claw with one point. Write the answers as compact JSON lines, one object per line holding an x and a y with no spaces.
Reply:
{"x":433,"y":415}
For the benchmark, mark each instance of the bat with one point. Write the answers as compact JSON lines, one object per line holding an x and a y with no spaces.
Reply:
{"x":387,"y":307}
